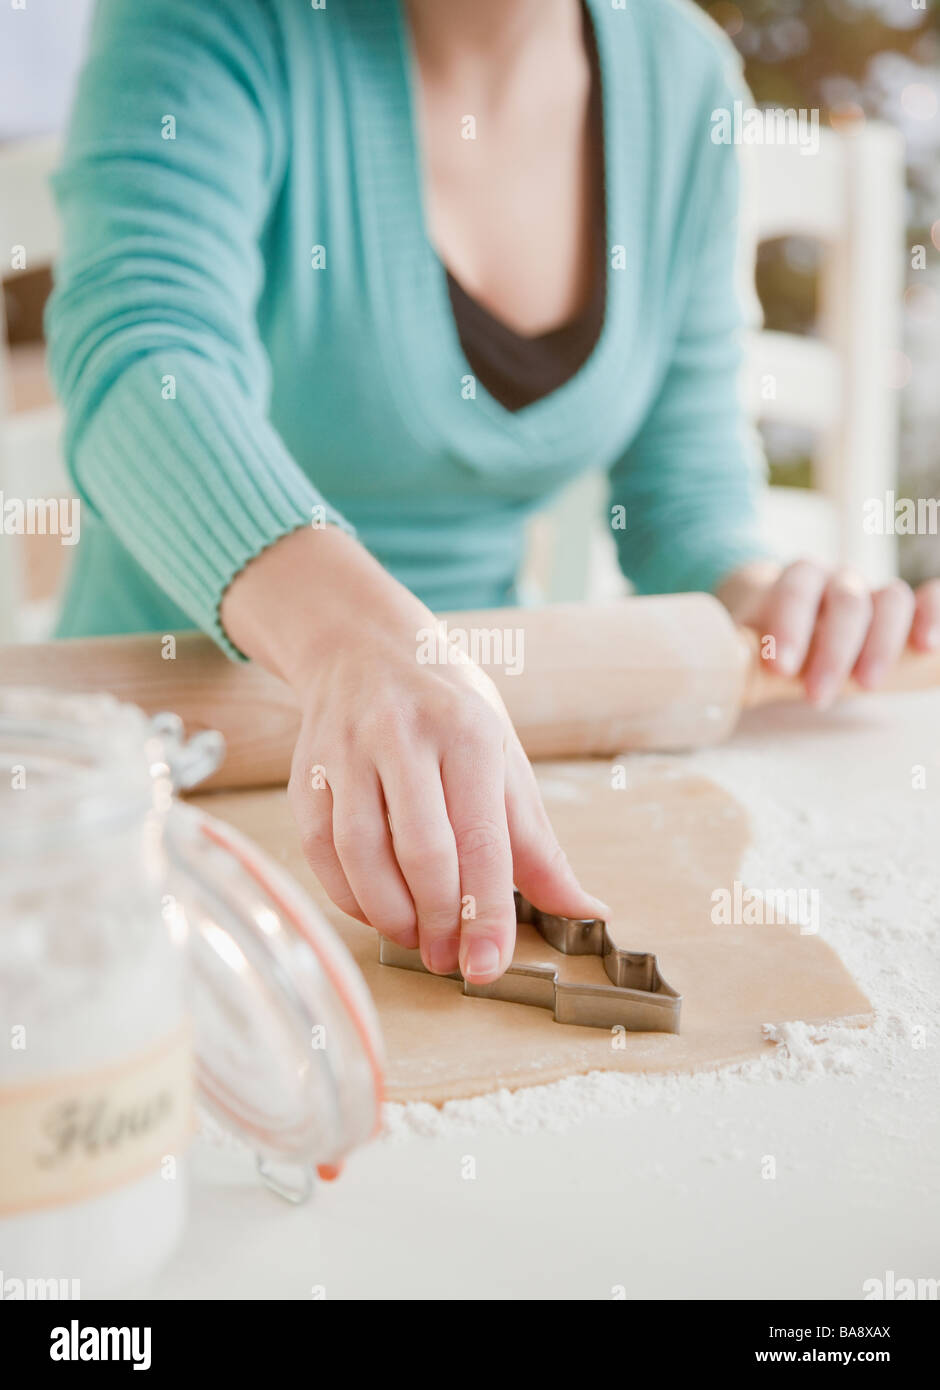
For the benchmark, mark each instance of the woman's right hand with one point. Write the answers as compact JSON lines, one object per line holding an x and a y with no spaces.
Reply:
{"x":416,"y":803}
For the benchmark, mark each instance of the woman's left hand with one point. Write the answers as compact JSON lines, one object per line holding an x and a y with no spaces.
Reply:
{"x":828,"y":624}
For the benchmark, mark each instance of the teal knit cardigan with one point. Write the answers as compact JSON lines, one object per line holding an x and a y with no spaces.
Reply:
{"x":251,"y":333}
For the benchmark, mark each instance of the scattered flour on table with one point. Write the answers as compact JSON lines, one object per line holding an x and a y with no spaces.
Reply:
{"x":834,"y":808}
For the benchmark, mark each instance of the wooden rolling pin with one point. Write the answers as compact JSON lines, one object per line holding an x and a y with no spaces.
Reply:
{"x":655,"y":673}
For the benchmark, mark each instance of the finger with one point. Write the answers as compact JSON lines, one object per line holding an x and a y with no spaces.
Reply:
{"x":424,"y":846}
{"x":790,"y":612}
{"x":925,"y":633}
{"x":363,"y":843}
{"x":892,"y":611}
{"x":474,"y":779}
{"x":540,"y":865}
{"x":844,"y":619}
{"x":311,"y":802}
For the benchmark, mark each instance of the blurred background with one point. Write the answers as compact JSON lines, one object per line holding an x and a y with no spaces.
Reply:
{"x":858,"y":60}
{"x":863,"y":64}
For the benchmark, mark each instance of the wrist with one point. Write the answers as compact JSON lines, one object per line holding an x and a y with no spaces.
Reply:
{"x":314,"y":593}
{"x":285,"y":605}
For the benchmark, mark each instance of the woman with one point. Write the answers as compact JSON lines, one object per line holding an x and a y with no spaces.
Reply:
{"x":407,"y":268}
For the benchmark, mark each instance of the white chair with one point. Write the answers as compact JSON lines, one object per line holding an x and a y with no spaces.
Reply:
{"x":850,"y":198}
{"x":30,"y":440}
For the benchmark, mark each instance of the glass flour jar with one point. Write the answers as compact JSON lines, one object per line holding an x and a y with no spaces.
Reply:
{"x":95,"y":1048}
{"x":136,"y":932}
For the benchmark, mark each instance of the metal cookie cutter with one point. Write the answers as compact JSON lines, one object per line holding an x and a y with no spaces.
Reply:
{"x":637,"y":997}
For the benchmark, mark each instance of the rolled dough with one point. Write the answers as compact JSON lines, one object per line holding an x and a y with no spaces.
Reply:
{"x":655,"y":851}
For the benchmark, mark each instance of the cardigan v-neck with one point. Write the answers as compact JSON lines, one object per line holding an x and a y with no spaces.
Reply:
{"x":517,"y":368}
{"x":251,"y":331}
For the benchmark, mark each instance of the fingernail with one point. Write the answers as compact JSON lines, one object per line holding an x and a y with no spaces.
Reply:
{"x":482,"y":961}
{"x":875,"y":673}
{"x":441,"y":956}
{"x":601,"y":909}
{"x":932,"y":638}
{"x":786,"y":660}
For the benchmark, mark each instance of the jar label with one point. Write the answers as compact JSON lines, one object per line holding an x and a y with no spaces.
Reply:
{"x":68,"y":1138}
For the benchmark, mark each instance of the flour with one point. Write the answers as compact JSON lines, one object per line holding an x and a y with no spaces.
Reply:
{"x":847,"y":805}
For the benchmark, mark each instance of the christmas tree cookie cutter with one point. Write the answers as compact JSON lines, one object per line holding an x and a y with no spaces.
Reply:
{"x":636,"y":997}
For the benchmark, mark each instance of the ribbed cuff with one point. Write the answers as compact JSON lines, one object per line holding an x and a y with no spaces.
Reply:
{"x":192,"y":479}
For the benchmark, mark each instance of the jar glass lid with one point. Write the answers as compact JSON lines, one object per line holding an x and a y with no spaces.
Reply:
{"x":288,"y":1047}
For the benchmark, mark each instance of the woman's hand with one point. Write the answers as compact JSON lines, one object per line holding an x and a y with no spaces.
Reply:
{"x":827,"y":624}
{"x":416,"y":803}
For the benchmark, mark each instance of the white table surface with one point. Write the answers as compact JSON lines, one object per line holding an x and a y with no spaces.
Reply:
{"x":667,"y":1201}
